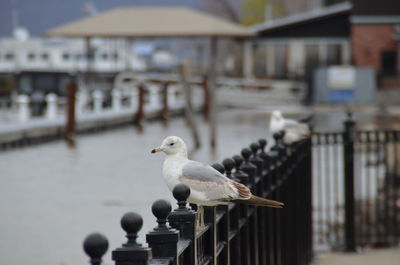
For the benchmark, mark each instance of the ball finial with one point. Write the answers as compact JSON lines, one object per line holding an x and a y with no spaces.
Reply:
{"x":131,"y":222}
{"x":181,"y":192}
{"x":220,"y":168}
{"x":95,"y":246}
{"x":229,"y":164}
{"x":246,"y":153}
{"x":254,"y":147}
{"x":276,"y":136}
{"x":161,"y":209}
{"x":238,"y":161}
{"x":262,"y":143}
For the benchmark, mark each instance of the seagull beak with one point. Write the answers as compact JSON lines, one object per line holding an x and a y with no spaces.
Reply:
{"x":156,"y":150}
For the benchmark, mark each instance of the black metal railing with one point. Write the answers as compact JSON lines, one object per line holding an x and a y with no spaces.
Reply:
{"x":356,"y":188}
{"x":236,"y":233}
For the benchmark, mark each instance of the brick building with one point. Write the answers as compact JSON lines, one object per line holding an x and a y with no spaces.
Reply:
{"x":373,"y":37}
{"x":364,"y":33}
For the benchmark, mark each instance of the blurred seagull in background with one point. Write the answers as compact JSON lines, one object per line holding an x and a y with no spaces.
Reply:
{"x":294,"y":131}
{"x":208,"y":187}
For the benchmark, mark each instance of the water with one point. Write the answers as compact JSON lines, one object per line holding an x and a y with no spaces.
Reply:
{"x":52,"y":196}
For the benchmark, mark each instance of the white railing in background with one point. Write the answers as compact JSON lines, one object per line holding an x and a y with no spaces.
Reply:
{"x":23,"y":108}
{"x":228,"y":88}
{"x":51,"y":109}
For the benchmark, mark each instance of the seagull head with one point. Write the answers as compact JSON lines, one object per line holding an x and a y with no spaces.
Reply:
{"x":276,"y":115}
{"x":172,"y":145}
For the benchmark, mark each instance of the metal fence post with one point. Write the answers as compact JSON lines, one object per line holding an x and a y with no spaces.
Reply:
{"x":184,"y":219}
{"x":255,"y":159}
{"x":163,"y":240}
{"x":234,"y":246}
{"x":131,"y":252}
{"x":348,"y":141}
{"x":243,"y":213}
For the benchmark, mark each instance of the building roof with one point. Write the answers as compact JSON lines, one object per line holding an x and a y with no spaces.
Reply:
{"x":150,"y":22}
{"x":303,"y":17}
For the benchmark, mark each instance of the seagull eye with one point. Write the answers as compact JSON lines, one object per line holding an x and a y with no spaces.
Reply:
{"x":171,"y":144}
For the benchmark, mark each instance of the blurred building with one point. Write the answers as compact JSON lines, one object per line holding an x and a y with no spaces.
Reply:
{"x":360,"y":32}
{"x":46,"y":63}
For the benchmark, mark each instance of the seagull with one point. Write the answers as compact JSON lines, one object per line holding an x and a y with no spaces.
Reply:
{"x":208,"y":187}
{"x":294,"y":130}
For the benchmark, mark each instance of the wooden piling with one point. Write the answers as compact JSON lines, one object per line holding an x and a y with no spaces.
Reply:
{"x":164,"y":111}
{"x":188,"y":105}
{"x":206,"y":99}
{"x":138,"y":117}
{"x":70,"y":125}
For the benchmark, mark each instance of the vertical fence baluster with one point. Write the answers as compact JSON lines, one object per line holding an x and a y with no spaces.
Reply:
{"x":327,"y":181}
{"x":349,"y":133}
{"x":232,"y":221}
{"x":320,"y":204}
{"x":273,"y":166}
{"x":385,"y":188}
{"x":378,"y":208}
{"x":242,"y":213}
{"x":335,"y":189}
{"x":279,"y":147}
{"x":396,"y":187}
{"x":369,"y":221}
{"x":250,"y":169}
{"x":211,"y":236}
{"x":263,"y":224}
{"x":258,"y":162}
{"x":359,"y":184}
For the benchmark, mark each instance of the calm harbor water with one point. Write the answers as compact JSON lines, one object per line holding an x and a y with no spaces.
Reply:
{"x":52,"y":196}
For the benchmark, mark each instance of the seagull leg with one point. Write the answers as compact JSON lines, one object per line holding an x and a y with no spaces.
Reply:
{"x":202,"y":217}
{"x":198,"y":218}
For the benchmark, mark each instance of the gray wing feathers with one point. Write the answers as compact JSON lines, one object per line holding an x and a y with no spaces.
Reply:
{"x":201,"y":172}
{"x":298,"y":128}
{"x":204,"y":178}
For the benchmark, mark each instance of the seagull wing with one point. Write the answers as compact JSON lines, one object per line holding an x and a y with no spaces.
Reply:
{"x":289,"y":122}
{"x":215,"y":186}
{"x":297,"y":128}
{"x":295,"y":131}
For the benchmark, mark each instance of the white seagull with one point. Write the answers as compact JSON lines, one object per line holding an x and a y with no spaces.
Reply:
{"x":294,"y":130}
{"x":208,"y":187}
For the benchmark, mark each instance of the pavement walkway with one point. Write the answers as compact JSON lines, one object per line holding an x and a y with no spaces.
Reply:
{"x":388,"y":256}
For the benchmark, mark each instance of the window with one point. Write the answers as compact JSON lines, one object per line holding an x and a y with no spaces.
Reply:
{"x":281,"y":60}
{"x":31,"y":56}
{"x":388,"y":62}
{"x":104,"y":56}
{"x":334,"y":54}
{"x":9,"y":56}
{"x":66,"y":56}
{"x":45,"y":56}
{"x":115,"y":56}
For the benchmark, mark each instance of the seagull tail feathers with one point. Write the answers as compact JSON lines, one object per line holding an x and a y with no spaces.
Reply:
{"x":258,"y":201}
